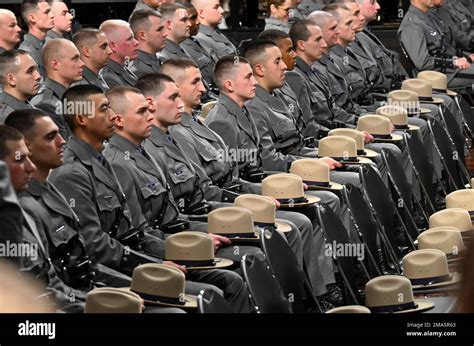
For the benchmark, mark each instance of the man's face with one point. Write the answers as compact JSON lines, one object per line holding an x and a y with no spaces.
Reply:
{"x":346,"y":26}
{"x":100,"y":51}
{"x":274,"y":67}
{"x":180,"y":24}
{"x":282,"y":12}
{"x":192,"y":87}
{"x":427,"y":3}
{"x":156,"y":34}
{"x":101,"y":124}
{"x":19,"y":164}
{"x":370,"y":10}
{"x":47,"y":145}
{"x":438,"y":3}
{"x":359,"y":19}
{"x":9,"y":29}
{"x":43,"y":17}
{"x":315,"y":46}
{"x":194,"y":21}
{"x":331,"y":32}
{"x":169,"y":105}
{"x":126,"y":45}
{"x":153,"y":3}
{"x":136,"y":120}
{"x":213,"y":12}
{"x":287,"y":52}
{"x":26,"y":78}
{"x":244,"y":82}
{"x":69,"y":64}
{"x":62,"y":17}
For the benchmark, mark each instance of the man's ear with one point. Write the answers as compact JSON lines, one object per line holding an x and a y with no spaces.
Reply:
{"x":151,"y":104}
{"x":168,"y":25}
{"x":200,"y":13}
{"x":81,"y":120}
{"x":229,"y":86}
{"x":113,"y":46}
{"x":54,"y":64}
{"x":118,"y":121}
{"x":11,"y":80}
{"x":31,"y":19}
{"x":259,"y":70}
{"x":140,"y":36}
{"x":86,"y":51}
{"x":300,"y":45}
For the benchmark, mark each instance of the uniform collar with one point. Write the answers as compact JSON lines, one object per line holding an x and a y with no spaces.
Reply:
{"x":82,"y":150}
{"x":116,"y":67}
{"x":276,"y":22}
{"x":232,"y":106}
{"x":12,"y":101}
{"x":417,"y":12}
{"x":33,"y":40}
{"x":57,"y":88}
{"x":147,"y":57}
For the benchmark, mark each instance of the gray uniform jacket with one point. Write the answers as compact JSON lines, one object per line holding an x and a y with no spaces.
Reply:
{"x":64,"y":236}
{"x":463,"y":18}
{"x":279,"y":135}
{"x":201,"y":56}
{"x":10,"y":210}
{"x":184,"y":180}
{"x":8,"y":104}
{"x":172,"y":50}
{"x":424,"y":43}
{"x":115,"y":74}
{"x":453,"y":36}
{"x":387,"y":60}
{"x":215,"y":42}
{"x":34,"y":46}
{"x":52,"y":35}
{"x":49,"y":99}
{"x":322,"y":102}
{"x":91,"y":78}
{"x":273,"y":23}
{"x":142,"y":177}
{"x":145,"y":63}
{"x":96,"y":197}
{"x":238,"y":131}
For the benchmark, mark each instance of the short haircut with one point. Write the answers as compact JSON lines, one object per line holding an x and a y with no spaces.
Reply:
{"x":320,"y":18}
{"x":29,"y":6}
{"x":78,"y":94}
{"x":109,"y":27}
{"x":9,"y":62}
{"x":168,"y":10}
{"x":255,"y":52}
{"x":299,"y":31}
{"x":186,"y":5}
{"x":117,"y":99}
{"x":173,"y":67}
{"x":24,"y":120}
{"x":54,"y":48}
{"x":273,"y":2}
{"x":153,"y":84}
{"x":273,"y":35}
{"x":141,"y":19}
{"x":86,"y":37}
{"x":226,"y":67}
{"x":335,"y":9}
{"x":8,"y":133}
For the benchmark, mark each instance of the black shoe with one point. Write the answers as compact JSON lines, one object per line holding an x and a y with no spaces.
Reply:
{"x":324,"y":304}
{"x":334,"y":295}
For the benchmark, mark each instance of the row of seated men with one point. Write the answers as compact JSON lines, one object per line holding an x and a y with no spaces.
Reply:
{"x":161,"y":166}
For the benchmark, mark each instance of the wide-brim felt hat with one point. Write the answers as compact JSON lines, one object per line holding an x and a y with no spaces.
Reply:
{"x":288,"y":190}
{"x":438,"y":80}
{"x":423,"y":88}
{"x":235,"y":223}
{"x":315,"y":174}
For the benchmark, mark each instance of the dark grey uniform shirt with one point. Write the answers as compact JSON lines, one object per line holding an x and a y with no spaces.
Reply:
{"x":145,"y":63}
{"x":8,"y":104}
{"x":115,"y":74}
{"x":215,"y":42}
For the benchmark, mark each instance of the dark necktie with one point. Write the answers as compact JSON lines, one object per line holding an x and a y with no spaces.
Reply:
{"x":142,"y":151}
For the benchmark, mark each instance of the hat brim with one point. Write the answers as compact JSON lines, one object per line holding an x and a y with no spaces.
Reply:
{"x":395,"y":138}
{"x":220,"y":263}
{"x":455,"y":279}
{"x":370,"y":154}
{"x":436,"y":100}
{"x":242,"y":238}
{"x":190,"y":301}
{"x":413,"y":128}
{"x":282,"y":226}
{"x":311,"y":200}
{"x":423,"y":305}
{"x":361,"y":161}
{"x":451,"y":93}
{"x":424,"y":110}
{"x":332,"y":187}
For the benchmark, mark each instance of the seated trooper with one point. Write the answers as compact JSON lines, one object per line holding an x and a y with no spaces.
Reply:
{"x":63,"y":66}
{"x":20,"y":78}
{"x":148,"y":30}
{"x":9,"y":30}
{"x":124,"y":50}
{"x":94,"y":50}
{"x":209,"y":36}
{"x":110,"y":232}
{"x":50,"y":209}
{"x":177,"y":29}
{"x":231,"y":120}
{"x":62,"y":21}
{"x":37,"y":261}
{"x":425,"y":46}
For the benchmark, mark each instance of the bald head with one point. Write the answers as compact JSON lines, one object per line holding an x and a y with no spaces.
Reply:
{"x":62,"y":61}
{"x":113,"y":28}
{"x":210,"y":12}
{"x":320,"y":18}
{"x":9,"y":30}
{"x":176,"y":68}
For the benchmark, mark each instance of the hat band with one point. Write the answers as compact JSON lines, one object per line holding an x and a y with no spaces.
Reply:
{"x":431,"y":280}
{"x":413,"y":111}
{"x":425,"y":98}
{"x":351,"y":158}
{"x":266,"y":225}
{"x":389,"y":136}
{"x":195,"y":263}
{"x":361,"y":152}
{"x":393,"y":308}
{"x":238,"y":235}
{"x":160,"y":299}
{"x":440,"y":90}
{"x":401,"y":127}
{"x":471,"y":212}
{"x":292,"y":200}
{"x":317,"y":183}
